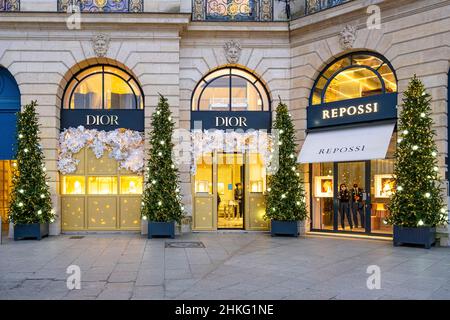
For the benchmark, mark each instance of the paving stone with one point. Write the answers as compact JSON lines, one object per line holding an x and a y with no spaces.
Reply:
{"x":231,"y":266}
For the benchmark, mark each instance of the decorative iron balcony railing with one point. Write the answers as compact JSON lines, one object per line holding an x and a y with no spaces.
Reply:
{"x":9,"y":5}
{"x":313,"y":6}
{"x":102,"y":5}
{"x":257,"y":10}
{"x":232,"y":10}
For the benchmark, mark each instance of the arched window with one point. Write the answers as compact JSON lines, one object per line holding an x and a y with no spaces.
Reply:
{"x":103,"y":87}
{"x":355,"y":75}
{"x":230,"y":89}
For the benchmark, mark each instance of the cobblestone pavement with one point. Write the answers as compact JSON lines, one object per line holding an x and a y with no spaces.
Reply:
{"x":231,"y":266}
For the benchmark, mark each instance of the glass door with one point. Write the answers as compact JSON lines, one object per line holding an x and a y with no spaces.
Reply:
{"x":351,"y":198}
{"x":230,"y":191}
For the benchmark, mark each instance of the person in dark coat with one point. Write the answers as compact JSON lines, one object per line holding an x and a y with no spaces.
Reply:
{"x":344,"y":205}
{"x":357,"y":206}
{"x":238,"y":195}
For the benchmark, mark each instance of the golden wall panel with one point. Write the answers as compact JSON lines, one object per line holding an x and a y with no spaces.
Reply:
{"x":81,"y":167}
{"x":72,"y":213}
{"x":130,"y":213}
{"x":102,"y":213}
{"x":103,"y":165}
{"x":257,"y":209}
{"x":203,"y":218}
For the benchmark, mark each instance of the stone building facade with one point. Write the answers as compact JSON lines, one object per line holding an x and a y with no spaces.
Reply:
{"x":168,"y":49}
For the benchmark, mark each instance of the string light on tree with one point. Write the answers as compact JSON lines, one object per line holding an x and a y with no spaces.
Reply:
{"x":285,"y":188}
{"x":34,"y":205}
{"x":160,"y":200}
{"x":416,"y":172}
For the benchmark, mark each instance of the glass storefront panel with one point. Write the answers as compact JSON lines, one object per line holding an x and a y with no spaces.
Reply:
{"x":204,"y":210}
{"x":6,"y":174}
{"x":204,"y":175}
{"x":382,"y":185}
{"x":216,"y":96}
{"x":73,"y":185}
{"x":88,"y":93}
{"x":118,"y":94}
{"x":230,"y":190}
{"x":317,"y":93}
{"x":102,"y":185}
{"x":389,"y":78}
{"x":369,"y":60}
{"x":351,"y":182}
{"x":130,"y":185}
{"x":256,"y":193}
{"x":244,"y":97}
{"x":257,"y":173}
{"x":322,"y":196}
{"x":353,"y":83}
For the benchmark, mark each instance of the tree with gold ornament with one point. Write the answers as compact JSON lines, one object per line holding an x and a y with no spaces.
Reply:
{"x":30,"y":196}
{"x":418,"y":198}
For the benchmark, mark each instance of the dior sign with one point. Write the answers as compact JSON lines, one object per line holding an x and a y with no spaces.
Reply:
{"x":231,"y":122}
{"x":103,"y":119}
{"x":366,"y":109}
{"x":106,"y":120}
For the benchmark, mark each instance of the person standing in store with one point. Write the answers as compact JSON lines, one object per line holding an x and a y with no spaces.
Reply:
{"x":238,"y":194}
{"x":357,"y":206}
{"x":344,"y":205}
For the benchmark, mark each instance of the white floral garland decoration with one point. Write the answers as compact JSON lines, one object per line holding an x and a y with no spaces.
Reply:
{"x":125,"y":146}
{"x":258,"y":141}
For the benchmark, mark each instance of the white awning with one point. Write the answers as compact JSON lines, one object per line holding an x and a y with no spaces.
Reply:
{"x":350,"y":144}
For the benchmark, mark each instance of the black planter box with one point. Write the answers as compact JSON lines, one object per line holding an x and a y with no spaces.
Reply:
{"x":161,"y":229}
{"x":286,"y":228}
{"x":425,"y":236}
{"x":30,"y":231}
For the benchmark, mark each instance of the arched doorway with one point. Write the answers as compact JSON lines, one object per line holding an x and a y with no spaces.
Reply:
{"x":9,"y":106}
{"x":350,"y":144}
{"x":230,"y":119}
{"x":101,"y":157}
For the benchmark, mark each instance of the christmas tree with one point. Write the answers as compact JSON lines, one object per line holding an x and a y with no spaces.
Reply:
{"x":30,"y":195}
{"x":418,"y":198}
{"x":161,"y":199}
{"x":286,"y":193}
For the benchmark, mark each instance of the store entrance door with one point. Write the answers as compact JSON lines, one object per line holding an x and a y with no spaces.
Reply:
{"x":352,"y":197}
{"x":230,"y":191}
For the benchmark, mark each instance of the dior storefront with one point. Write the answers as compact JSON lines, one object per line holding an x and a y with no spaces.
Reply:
{"x":97,"y":72}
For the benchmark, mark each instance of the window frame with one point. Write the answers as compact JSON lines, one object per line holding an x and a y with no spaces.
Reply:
{"x":230,"y":74}
{"x":66,"y":104}
{"x":352,"y":64}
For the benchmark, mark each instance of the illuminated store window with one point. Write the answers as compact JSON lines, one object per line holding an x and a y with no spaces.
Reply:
{"x":102,"y":185}
{"x":322,"y":195}
{"x":130,"y":185}
{"x":257,"y":173}
{"x":103,"y":87}
{"x":204,"y":174}
{"x":73,"y":185}
{"x":356,"y":75}
{"x":230,"y":89}
{"x":382,"y":187}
